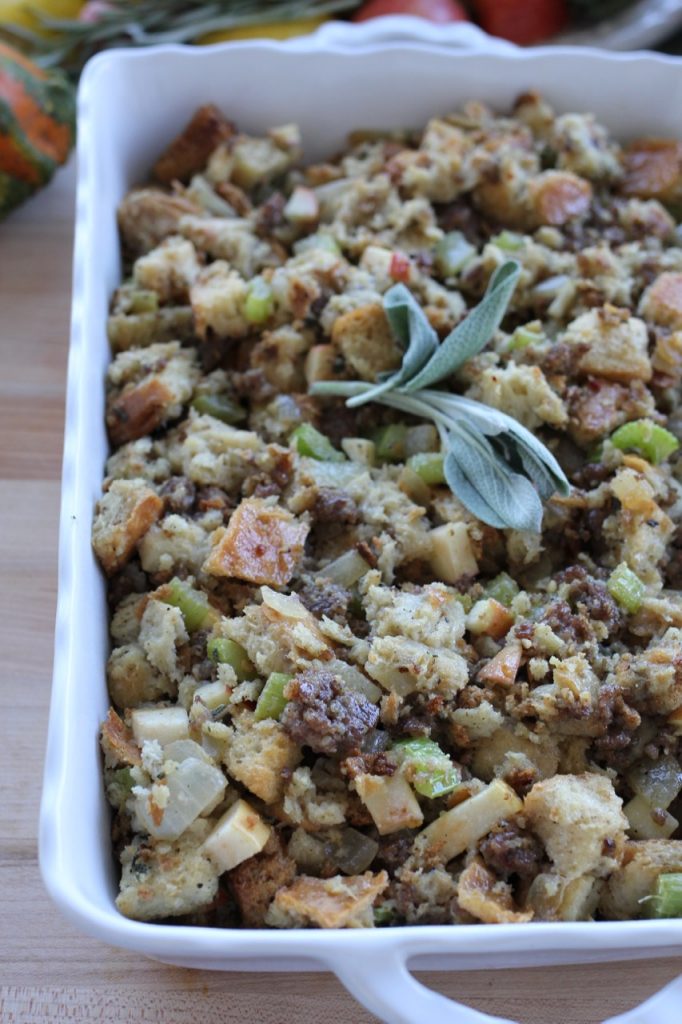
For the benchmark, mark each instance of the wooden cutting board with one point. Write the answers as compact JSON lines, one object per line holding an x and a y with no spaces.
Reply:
{"x":48,"y":972}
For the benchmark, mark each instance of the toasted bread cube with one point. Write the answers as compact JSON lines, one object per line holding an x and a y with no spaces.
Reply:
{"x":164,"y":879}
{"x":133,"y":680}
{"x":188,"y":153}
{"x":168,"y":270}
{"x":161,"y":724}
{"x":139,"y":330}
{"x":241,"y":833}
{"x":259,"y":755}
{"x":452,"y":554}
{"x":336,"y":902}
{"x":653,"y":169}
{"x":662,"y":301}
{"x":262,"y":543}
{"x":617,"y":344}
{"x":255,"y":882}
{"x":218,"y":295}
{"x":575,"y":816}
{"x":390,"y":801}
{"x":117,"y":742}
{"x":364,"y":338}
{"x":557,"y":197}
{"x":122,"y":517}
{"x":462,"y":826}
{"x":147,"y":215}
{"x":486,"y":898}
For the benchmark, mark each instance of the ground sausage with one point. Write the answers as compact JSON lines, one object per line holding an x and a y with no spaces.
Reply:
{"x":508,"y":850}
{"x":323,"y":715}
{"x":178,"y":493}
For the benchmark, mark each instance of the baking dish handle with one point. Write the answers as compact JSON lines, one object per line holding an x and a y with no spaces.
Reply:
{"x":406,"y":29}
{"x":384,"y":985}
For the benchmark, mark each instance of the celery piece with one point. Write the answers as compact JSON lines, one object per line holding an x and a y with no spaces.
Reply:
{"x":271,"y":702}
{"x":522,"y":338}
{"x":429,"y":466}
{"x":259,"y":301}
{"x":221,"y":407}
{"x":384,"y":915}
{"x":428,"y":768}
{"x":508,"y":241}
{"x":626,"y":587}
{"x":229,"y":652}
{"x":667,"y":900}
{"x":466,"y":601}
{"x":309,"y":441}
{"x":390,"y":442}
{"x":452,"y":252}
{"x":503,"y":588}
{"x":319,"y":240}
{"x":144,"y":300}
{"x":652,"y":442}
{"x":196,"y":611}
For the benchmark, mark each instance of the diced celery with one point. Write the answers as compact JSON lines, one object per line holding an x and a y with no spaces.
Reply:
{"x":196,"y":611}
{"x":466,"y":601}
{"x":385,"y":915}
{"x":144,"y":301}
{"x":667,"y":900}
{"x":508,"y":241}
{"x":271,"y":702}
{"x":390,"y":442}
{"x":221,"y":407}
{"x":523,"y":337}
{"x":452,"y":252}
{"x":259,"y":301}
{"x":503,"y":588}
{"x":653,"y":443}
{"x":429,"y":466}
{"x":428,"y":768}
{"x":229,"y":652}
{"x":309,"y":441}
{"x":626,"y":587}
{"x":319,"y":240}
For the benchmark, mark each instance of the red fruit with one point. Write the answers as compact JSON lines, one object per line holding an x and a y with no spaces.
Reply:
{"x":522,"y":21}
{"x":433,"y":10}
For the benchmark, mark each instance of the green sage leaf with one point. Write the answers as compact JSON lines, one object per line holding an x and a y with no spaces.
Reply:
{"x":473,"y":333}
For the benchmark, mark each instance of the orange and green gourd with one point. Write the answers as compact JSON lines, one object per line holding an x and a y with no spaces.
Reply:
{"x":37,"y":126}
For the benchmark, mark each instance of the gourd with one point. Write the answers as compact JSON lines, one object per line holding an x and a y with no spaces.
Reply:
{"x":37,"y":126}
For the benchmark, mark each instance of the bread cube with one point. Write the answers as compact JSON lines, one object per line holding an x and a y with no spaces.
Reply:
{"x":262,"y":543}
{"x":122,"y":517}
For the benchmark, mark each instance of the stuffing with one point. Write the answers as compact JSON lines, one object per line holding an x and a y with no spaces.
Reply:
{"x":578,"y":818}
{"x":133,"y":680}
{"x":259,"y":755}
{"x":162,"y":629}
{"x":339,"y":673}
{"x":169,"y":270}
{"x":338,"y":902}
{"x":615,"y":344}
{"x":148,"y":387}
{"x":522,"y":392}
{"x":166,"y":879}
{"x":262,"y":544}
{"x":122,"y":517}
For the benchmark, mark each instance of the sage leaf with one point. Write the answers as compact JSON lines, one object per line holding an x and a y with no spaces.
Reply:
{"x":503,"y":498}
{"x":473,"y":333}
{"x":414,"y":334}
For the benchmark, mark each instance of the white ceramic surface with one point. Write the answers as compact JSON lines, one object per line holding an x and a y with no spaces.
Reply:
{"x":130,"y":104}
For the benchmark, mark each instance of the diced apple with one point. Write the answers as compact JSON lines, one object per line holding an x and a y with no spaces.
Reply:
{"x":452,"y":555}
{"x":457,"y":829}
{"x":302,"y":206}
{"x":647,"y":822}
{"x":489,"y":617}
{"x":320,"y":363}
{"x":390,"y":801}
{"x":241,"y":833}
{"x":162,"y":724}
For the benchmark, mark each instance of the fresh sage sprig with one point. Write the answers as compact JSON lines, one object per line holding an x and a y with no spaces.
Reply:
{"x":499,"y":470}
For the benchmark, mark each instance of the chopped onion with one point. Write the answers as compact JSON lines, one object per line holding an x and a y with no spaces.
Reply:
{"x":194,"y":788}
{"x":345,"y":570}
{"x":355,"y":680}
{"x":658,"y":782}
{"x":181,"y":750}
{"x":352,"y":851}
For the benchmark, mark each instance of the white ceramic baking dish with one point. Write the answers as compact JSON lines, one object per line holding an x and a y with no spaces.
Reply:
{"x":395,"y":72}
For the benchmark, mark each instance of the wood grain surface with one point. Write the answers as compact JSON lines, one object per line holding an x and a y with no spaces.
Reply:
{"x":48,"y":972}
